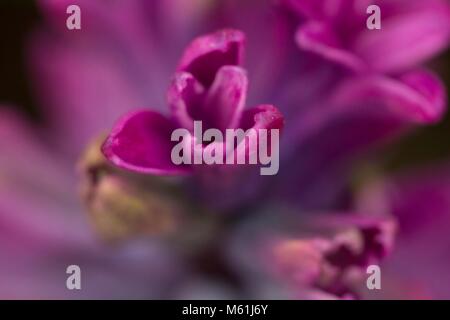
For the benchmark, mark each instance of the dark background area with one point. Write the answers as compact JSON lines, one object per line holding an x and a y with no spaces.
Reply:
{"x":19,"y":17}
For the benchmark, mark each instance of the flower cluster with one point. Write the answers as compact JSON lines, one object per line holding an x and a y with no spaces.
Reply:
{"x":160,"y":229}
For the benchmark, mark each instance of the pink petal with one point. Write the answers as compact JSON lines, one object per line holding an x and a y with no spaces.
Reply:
{"x":420,"y":199}
{"x":407,"y":38}
{"x":417,"y":96}
{"x":320,"y":38}
{"x":141,"y":142}
{"x":185,"y":98}
{"x":206,"y":54}
{"x":262,"y":117}
{"x":30,"y":170}
{"x":114,"y":63}
{"x":411,"y":32}
{"x":363,"y":113}
{"x":314,"y":9}
{"x":93,"y":90}
{"x":377,"y":239}
{"x":226,"y":98}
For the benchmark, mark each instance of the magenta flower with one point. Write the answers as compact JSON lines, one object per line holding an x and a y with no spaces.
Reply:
{"x":359,"y":115}
{"x":411,"y":32}
{"x":209,"y":86}
{"x":420,"y":200}
{"x":321,"y":256}
{"x":386,"y":96}
{"x":316,"y":246}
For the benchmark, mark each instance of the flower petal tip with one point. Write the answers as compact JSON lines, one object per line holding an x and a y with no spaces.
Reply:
{"x":141,"y":142}
{"x":206,"y":54}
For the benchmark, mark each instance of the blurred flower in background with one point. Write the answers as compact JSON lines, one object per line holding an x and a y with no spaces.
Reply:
{"x":308,"y":232}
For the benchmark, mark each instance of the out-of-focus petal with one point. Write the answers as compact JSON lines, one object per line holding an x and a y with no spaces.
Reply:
{"x":333,"y":262}
{"x":299,"y":260}
{"x":130,"y":271}
{"x":114,"y":63}
{"x":30,"y":170}
{"x":411,"y":32}
{"x":206,"y":54}
{"x":26,"y":158}
{"x":93,"y":90}
{"x":43,"y":230}
{"x":407,"y":38}
{"x":141,"y":142}
{"x":417,"y":96}
{"x":374,"y":239}
{"x":363,"y":113}
{"x":326,"y":253}
{"x":420,"y":200}
{"x":321,"y":39}
{"x":314,"y":9}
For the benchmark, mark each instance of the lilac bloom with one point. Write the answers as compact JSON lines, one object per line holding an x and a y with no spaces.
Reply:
{"x":363,"y":110}
{"x":411,"y":32}
{"x":334,"y":117}
{"x":96,"y":83}
{"x":123,"y":59}
{"x":327,"y":122}
{"x":324,"y":256}
{"x":209,"y":86}
{"x":420,"y":201}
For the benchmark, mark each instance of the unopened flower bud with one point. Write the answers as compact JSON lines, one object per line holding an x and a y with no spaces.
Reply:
{"x":123,"y":205}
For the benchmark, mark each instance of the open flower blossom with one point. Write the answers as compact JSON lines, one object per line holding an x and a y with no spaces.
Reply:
{"x":411,"y":32}
{"x":358,"y":108}
{"x":209,"y":86}
{"x":340,"y":91}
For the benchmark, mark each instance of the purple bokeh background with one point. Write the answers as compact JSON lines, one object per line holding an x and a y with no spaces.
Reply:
{"x":364,"y":153}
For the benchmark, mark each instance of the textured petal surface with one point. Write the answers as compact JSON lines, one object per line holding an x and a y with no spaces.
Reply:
{"x":185,"y":98}
{"x":141,"y":142}
{"x":262,"y":117}
{"x":226,"y":98}
{"x":206,"y":54}
{"x":220,"y":107}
